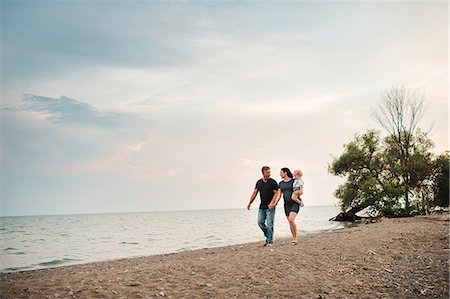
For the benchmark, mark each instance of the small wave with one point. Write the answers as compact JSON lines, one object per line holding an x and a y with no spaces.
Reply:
{"x":14,"y":231}
{"x":209,"y":239}
{"x":33,"y":241}
{"x":184,"y":249}
{"x":10,"y":248}
{"x":14,"y":269}
{"x":57,"y":262}
{"x":129,"y":243}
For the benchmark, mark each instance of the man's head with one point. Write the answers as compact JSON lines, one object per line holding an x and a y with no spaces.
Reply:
{"x":265,"y":172}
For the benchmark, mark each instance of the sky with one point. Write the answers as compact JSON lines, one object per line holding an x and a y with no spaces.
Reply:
{"x":112,"y":106}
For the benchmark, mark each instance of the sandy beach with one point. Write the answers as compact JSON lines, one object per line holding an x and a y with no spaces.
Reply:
{"x":394,"y":258}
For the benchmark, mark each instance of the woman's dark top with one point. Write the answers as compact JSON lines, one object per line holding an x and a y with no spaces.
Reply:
{"x":289,"y":204}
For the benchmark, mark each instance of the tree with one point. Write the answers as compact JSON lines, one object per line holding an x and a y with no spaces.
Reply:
{"x":441,"y":180}
{"x":395,"y":173}
{"x":399,"y":113}
{"x":418,"y":170}
{"x":360,"y":165}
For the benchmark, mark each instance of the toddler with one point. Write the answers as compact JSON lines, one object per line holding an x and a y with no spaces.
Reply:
{"x":298,"y":187}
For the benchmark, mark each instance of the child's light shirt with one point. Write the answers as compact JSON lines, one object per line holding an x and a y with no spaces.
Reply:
{"x":297,"y":184}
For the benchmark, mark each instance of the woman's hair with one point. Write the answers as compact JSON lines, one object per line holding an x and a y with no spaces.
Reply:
{"x":288,"y":172}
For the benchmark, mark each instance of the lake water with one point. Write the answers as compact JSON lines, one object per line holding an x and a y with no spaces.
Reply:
{"x":36,"y":242}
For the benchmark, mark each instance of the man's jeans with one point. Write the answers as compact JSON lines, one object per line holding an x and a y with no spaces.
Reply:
{"x":266,"y":215}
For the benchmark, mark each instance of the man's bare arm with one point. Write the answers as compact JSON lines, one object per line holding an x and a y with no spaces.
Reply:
{"x":252,"y":198}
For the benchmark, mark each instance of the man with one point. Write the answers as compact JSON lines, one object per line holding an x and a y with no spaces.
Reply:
{"x":268,"y":191}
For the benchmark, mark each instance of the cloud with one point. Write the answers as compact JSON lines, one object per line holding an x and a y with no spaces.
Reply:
{"x":300,"y":105}
{"x":166,"y":94}
{"x":250,"y":162}
{"x":101,"y":39}
{"x":62,"y":136}
{"x":123,"y":162}
{"x":69,"y":111}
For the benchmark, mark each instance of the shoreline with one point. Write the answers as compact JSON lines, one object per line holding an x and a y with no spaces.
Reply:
{"x":394,"y":258}
{"x":283,"y":239}
{"x":67,"y":260}
{"x":31,"y":244}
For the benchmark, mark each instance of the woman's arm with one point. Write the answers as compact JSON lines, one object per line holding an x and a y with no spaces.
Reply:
{"x":300,"y":191}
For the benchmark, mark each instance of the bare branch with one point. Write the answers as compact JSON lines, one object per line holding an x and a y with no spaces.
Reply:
{"x":399,"y":112}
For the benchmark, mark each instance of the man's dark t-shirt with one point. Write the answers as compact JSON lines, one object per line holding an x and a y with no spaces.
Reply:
{"x":266,"y":191}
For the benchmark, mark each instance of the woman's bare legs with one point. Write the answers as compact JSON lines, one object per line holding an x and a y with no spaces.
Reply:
{"x":293,"y":226}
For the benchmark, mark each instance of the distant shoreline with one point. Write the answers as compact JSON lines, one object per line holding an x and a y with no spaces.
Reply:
{"x":139,"y":212}
{"x":395,"y":258}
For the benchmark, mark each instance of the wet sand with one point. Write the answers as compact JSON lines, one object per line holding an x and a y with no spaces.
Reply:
{"x":394,"y":258}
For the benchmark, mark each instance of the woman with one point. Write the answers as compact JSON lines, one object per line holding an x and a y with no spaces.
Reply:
{"x":291,"y":208}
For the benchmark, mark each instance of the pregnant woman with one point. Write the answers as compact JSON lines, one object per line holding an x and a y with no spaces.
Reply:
{"x":291,"y":208}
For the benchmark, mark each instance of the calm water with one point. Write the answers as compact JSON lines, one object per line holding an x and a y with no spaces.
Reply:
{"x":48,"y":241}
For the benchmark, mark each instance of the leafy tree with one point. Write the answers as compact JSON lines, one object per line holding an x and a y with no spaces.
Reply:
{"x":374,"y":175}
{"x":441,"y":180}
{"x":360,"y":165}
{"x":397,"y":174}
{"x":417,"y":171}
{"x":399,"y":113}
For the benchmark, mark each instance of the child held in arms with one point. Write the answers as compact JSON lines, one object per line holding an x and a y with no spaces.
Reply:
{"x":298,"y":187}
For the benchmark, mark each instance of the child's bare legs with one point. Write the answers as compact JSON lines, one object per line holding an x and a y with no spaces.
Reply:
{"x":295,"y":197}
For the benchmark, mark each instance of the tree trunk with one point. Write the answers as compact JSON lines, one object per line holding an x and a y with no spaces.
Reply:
{"x":349,"y":215}
{"x":407,"y":203}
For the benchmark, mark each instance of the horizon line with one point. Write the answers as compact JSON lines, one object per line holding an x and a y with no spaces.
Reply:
{"x":136,"y":212}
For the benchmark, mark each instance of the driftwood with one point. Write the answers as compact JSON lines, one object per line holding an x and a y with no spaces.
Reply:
{"x":367,"y":213}
{"x":349,"y":215}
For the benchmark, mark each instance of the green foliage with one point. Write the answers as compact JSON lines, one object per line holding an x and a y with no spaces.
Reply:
{"x":441,"y":180}
{"x":360,"y":164}
{"x":409,"y":163}
{"x":377,"y":173}
{"x":398,"y":174}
